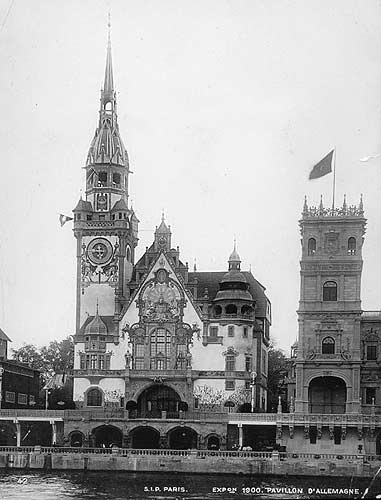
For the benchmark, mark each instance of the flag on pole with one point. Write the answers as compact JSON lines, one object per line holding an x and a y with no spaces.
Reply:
{"x":324,"y":166}
{"x":64,"y":219}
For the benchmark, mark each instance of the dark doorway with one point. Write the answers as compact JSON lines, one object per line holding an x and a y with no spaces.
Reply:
{"x":213,"y":443}
{"x":107,"y":436}
{"x":259,"y":437}
{"x":378,"y":444}
{"x":182,"y":438}
{"x":7,"y":434}
{"x":156,"y":399}
{"x":145,"y":437}
{"x":36,"y":433}
{"x":76,"y":439}
{"x":327,"y":395}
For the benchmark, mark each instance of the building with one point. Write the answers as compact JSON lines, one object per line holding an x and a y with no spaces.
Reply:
{"x":334,"y":377}
{"x":19,"y":383}
{"x":152,"y":338}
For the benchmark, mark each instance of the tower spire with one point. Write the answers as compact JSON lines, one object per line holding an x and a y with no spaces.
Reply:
{"x":108,"y":87}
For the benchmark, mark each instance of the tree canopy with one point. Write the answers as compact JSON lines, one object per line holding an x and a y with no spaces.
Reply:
{"x":50,"y":359}
{"x":277,"y":369}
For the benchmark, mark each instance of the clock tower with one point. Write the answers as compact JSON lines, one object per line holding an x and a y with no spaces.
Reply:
{"x":105,"y":227}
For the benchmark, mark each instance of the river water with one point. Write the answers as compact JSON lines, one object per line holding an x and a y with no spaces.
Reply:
{"x":136,"y":486}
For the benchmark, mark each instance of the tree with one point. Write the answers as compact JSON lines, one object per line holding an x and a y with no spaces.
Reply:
{"x":50,"y":359}
{"x":209,"y":398}
{"x":277,"y":369}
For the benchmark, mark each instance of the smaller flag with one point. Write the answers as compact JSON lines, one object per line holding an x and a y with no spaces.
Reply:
{"x":367,"y":158}
{"x":64,"y":219}
{"x":324,"y":166}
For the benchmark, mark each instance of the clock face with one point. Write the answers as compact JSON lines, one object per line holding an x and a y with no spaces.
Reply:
{"x":162,"y":241}
{"x":99,"y":251}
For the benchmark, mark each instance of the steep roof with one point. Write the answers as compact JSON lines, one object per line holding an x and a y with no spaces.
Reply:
{"x":212,"y":279}
{"x":4,"y":336}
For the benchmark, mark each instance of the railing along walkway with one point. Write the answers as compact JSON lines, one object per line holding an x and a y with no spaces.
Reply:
{"x":133,"y":452}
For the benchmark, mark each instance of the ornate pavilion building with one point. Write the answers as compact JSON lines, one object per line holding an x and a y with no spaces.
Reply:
{"x":153,"y":340}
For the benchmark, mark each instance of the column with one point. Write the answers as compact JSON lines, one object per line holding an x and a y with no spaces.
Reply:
{"x":240,"y":435}
{"x":54,"y":432}
{"x":18,"y":434}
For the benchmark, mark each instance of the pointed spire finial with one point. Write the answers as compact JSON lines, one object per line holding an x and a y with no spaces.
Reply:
{"x":162,"y":215}
{"x":321,"y":207}
{"x":345,"y":203}
{"x":97,"y":307}
{"x":108,"y":86}
{"x":305,"y":206}
{"x":361,"y":206}
{"x":195,"y":266}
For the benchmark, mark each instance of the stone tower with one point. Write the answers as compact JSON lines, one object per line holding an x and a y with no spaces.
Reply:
{"x":105,"y":227}
{"x":328,"y":356}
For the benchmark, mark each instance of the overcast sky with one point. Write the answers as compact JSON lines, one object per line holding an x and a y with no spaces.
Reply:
{"x":224,"y":107}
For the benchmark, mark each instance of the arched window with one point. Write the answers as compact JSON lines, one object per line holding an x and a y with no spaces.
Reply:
{"x":102,"y":179}
{"x":311,"y":246}
{"x":330,"y":291}
{"x":231,"y":309}
{"x":128,"y":253}
{"x":160,"y":349}
{"x":218,"y":310}
{"x":351,"y":246}
{"x":94,"y":397}
{"x":328,"y":346}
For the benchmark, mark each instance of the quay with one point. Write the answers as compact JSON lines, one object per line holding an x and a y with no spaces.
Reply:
{"x":188,"y":461}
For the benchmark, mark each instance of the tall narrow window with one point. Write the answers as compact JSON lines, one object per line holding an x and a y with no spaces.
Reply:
{"x":311,"y":246}
{"x":138,"y":359}
{"x":230,"y":363}
{"x":160,"y":349}
{"x":213,"y":332}
{"x":371,"y":352}
{"x":352,"y":246}
{"x":330,"y":291}
{"x":231,"y":331}
{"x":102,"y":179}
{"x":328,"y":346}
{"x":248,"y":363}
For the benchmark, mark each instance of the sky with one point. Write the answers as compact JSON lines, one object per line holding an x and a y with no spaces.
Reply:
{"x":224,"y":107}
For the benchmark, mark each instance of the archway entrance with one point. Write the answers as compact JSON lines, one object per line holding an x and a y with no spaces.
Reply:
{"x":182,"y":438}
{"x":213,"y":443}
{"x":156,"y":399}
{"x":106,"y":436}
{"x":327,"y":395}
{"x":145,"y":437}
{"x":76,"y":439}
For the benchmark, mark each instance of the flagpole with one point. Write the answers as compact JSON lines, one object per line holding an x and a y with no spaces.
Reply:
{"x":334,"y":178}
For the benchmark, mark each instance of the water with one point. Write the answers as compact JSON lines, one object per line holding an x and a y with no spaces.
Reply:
{"x":137,"y":486}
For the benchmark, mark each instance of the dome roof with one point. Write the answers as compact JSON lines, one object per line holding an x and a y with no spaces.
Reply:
{"x":234,"y":257}
{"x":234,"y":276}
{"x":96,"y":326}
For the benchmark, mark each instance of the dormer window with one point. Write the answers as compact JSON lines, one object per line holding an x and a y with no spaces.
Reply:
{"x":351,"y":246}
{"x":311,"y":246}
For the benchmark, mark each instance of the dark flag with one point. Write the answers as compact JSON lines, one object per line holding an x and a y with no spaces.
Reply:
{"x":324,"y":167}
{"x":64,"y":219}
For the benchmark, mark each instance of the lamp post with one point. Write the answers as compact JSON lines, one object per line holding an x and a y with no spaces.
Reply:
{"x":252,"y":385}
